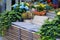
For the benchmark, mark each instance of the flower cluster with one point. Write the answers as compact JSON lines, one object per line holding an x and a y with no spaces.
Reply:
{"x":24,"y":5}
{"x":40,"y":7}
{"x":21,"y":7}
{"x":58,"y":13}
{"x":40,"y":4}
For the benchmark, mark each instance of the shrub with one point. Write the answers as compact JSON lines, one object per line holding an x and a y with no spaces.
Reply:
{"x":51,"y":29}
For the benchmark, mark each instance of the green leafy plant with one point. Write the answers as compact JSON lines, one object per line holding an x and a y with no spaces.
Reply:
{"x":40,"y":8}
{"x":14,"y":16}
{"x":21,"y":7}
{"x":51,"y":29}
{"x":5,"y":23}
{"x":6,"y":19}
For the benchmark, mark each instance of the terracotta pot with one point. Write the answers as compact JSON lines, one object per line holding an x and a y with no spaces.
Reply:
{"x":42,"y":13}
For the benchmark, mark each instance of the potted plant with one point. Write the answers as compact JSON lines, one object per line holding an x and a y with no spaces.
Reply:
{"x":21,"y":7}
{"x":27,"y":16}
{"x":39,"y":9}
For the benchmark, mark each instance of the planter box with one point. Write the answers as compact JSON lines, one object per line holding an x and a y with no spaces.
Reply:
{"x":15,"y":33}
{"x":36,"y":36}
{"x":25,"y":34}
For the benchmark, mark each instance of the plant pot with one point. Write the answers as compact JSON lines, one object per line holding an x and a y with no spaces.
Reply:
{"x":42,"y":13}
{"x":20,"y":20}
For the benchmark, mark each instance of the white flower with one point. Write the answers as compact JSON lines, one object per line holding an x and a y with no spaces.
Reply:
{"x":36,"y":5}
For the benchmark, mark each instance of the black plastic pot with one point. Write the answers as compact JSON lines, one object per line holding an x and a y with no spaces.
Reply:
{"x":21,"y":20}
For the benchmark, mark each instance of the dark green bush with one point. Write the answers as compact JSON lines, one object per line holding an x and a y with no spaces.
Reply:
{"x":6,"y":18}
{"x":50,"y":30}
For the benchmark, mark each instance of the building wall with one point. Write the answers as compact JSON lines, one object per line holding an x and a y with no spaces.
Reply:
{"x":2,"y":5}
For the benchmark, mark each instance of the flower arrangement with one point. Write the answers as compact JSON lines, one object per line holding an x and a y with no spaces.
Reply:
{"x":21,"y":7}
{"x":39,"y":9}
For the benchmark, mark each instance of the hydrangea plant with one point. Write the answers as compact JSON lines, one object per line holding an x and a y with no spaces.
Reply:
{"x":21,"y":7}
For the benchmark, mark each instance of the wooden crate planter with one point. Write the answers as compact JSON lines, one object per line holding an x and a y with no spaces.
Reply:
{"x":25,"y":34}
{"x":15,"y":33}
{"x":36,"y":36}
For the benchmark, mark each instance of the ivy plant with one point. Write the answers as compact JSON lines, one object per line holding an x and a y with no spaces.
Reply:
{"x":13,"y":15}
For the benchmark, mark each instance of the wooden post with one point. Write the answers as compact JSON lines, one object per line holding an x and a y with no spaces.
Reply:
{"x":8,"y":5}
